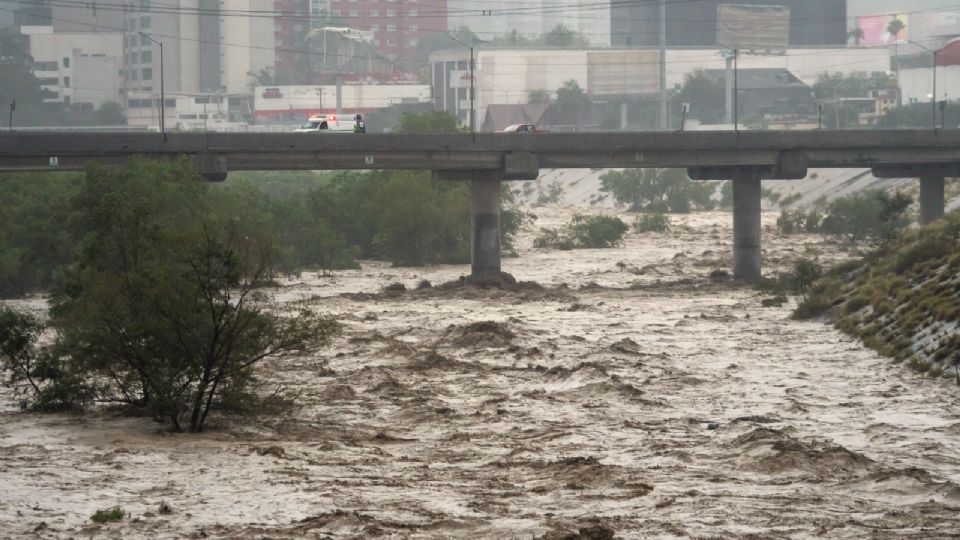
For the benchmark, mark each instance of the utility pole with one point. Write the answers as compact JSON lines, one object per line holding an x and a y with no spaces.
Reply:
{"x":13,"y":107}
{"x":663,"y":65}
{"x":163,"y":101}
{"x":473,"y":114}
{"x":728,"y":56}
{"x":472,"y":96}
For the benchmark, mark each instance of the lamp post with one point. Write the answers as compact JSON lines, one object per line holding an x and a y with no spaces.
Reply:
{"x":163,"y":115}
{"x":933,"y":95}
{"x":472,"y":102}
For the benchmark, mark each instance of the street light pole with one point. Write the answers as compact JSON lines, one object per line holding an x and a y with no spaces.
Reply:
{"x":163,"y":101}
{"x":472,"y":98}
{"x":933,"y":94}
{"x":473,"y":126}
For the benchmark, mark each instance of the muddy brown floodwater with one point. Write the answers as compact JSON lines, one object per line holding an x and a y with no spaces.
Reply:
{"x":628,"y":396}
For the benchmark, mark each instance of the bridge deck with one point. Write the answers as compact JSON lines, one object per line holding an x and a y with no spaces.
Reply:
{"x":487,"y":151}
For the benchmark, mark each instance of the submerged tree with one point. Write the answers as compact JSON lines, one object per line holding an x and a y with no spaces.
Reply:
{"x":162,"y":302}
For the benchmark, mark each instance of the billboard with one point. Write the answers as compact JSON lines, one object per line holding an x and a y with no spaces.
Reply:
{"x":623,"y":72}
{"x":753,"y":28}
{"x":876,"y":29}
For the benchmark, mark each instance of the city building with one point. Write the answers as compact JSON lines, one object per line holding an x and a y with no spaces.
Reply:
{"x":510,"y":76}
{"x":297,"y":103}
{"x":290,"y":37}
{"x":496,"y":18}
{"x":396,"y":26}
{"x":82,"y":69}
{"x":694,"y":24}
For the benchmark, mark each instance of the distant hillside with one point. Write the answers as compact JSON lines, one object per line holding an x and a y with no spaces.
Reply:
{"x":904,"y":301}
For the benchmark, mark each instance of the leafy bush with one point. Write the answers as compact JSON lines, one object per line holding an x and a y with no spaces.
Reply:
{"x":34,"y":242}
{"x":51,"y":383}
{"x":651,"y":223}
{"x":658,"y":190}
{"x":584,"y":232}
{"x":109,"y":515}
{"x":870,"y":215}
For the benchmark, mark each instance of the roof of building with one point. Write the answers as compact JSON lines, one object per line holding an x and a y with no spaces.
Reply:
{"x":762,"y":78}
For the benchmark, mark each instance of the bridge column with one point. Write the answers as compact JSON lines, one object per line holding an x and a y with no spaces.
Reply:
{"x":485,"y":224}
{"x":931,"y":198}
{"x":746,"y":226}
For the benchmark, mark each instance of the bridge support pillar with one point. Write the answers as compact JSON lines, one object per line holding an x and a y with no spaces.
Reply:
{"x":746,"y":226}
{"x":485,"y":224}
{"x":931,"y":198}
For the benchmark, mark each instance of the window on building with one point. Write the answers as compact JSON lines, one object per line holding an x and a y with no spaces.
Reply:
{"x":414,"y":42}
{"x":201,"y":100}
{"x":354,"y":13}
{"x":45,"y":66}
{"x":66,"y":61}
{"x":374,"y":13}
{"x":146,"y":57}
{"x":145,"y":22}
{"x":391,"y":13}
{"x":133,"y":74}
{"x":66,"y":82}
{"x":48,"y":81}
{"x":414,"y":27}
{"x":391,"y":28}
{"x":413,"y":13}
{"x":147,"y":74}
{"x":375,"y":27}
{"x":391,"y":42}
{"x":169,"y":103}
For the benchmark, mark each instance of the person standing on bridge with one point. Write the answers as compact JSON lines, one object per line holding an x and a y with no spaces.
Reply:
{"x":359,"y":127}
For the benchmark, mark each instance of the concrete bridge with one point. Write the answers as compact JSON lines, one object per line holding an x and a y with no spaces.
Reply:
{"x":486,"y":159}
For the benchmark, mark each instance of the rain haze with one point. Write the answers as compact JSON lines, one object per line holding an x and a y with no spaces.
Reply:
{"x":565,"y":269}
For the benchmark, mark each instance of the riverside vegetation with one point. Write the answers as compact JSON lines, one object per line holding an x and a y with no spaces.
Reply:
{"x":901,"y":297}
{"x":155,"y":275}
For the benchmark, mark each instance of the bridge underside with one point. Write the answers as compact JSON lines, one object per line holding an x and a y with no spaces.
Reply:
{"x":485,"y":160}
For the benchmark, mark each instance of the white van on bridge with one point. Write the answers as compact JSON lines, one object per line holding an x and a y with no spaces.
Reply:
{"x":331,"y":123}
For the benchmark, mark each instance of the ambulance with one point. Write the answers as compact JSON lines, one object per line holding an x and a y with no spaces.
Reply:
{"x":330,"y":123}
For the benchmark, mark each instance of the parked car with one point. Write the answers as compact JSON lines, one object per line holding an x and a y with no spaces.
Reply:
{"x":522,"y":128}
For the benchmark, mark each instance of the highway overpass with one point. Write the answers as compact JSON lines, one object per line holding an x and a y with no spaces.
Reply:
{"x":486,"y":159}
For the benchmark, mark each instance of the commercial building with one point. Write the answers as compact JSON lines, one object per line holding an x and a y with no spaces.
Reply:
{"x":494,"y":18}
{"x":297,"y":103}
{"x":510,"y":76}
{"x":694,"y":24}
{"x":81,"y":69}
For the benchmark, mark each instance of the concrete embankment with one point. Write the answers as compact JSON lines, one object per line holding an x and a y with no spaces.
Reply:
{"x":903,"y":301}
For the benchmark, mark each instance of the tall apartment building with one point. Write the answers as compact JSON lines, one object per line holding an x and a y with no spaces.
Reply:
{"x":494,"y":18}
{"x":205,"y":49}
{"x":397,"y":26}
{"x":290,"y":34}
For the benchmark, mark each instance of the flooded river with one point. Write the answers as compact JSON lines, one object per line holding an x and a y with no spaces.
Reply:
{"x":623,"y":393}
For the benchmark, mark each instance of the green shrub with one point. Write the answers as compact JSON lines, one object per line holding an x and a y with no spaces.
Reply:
{"x":658,"y":190}
{"x":110,"y":515}
{"x":584,"y":232}
{"x":813,"y":306}
{"x":856,"y":304}
{"x":651,"y":223}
